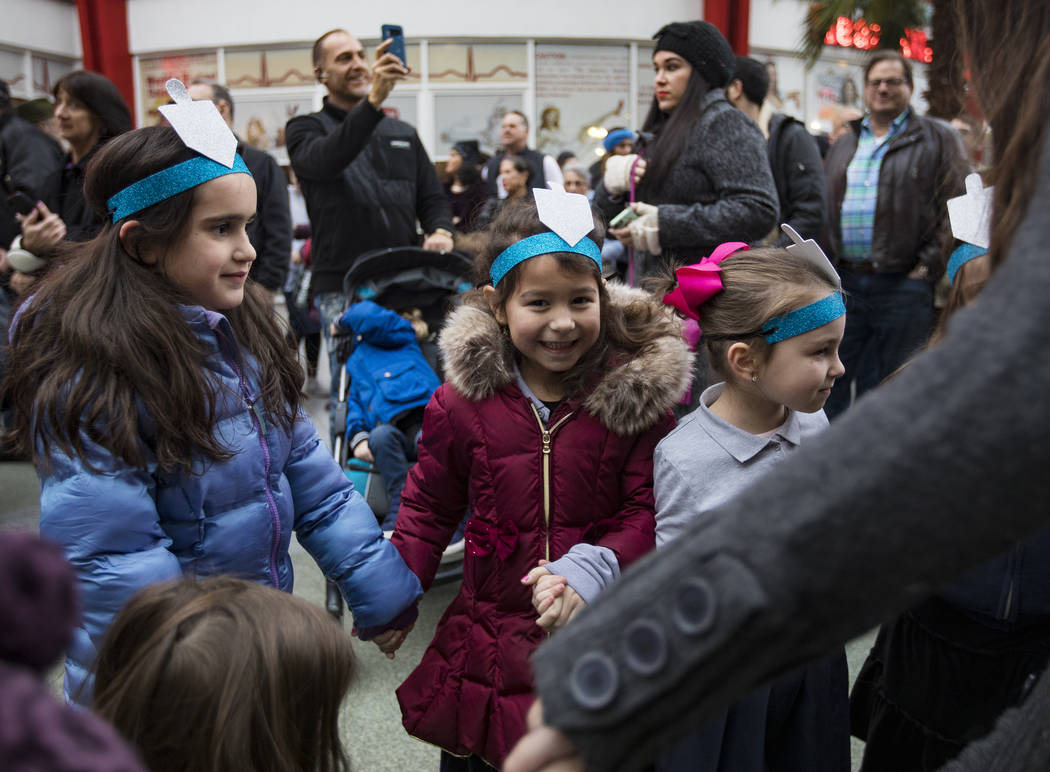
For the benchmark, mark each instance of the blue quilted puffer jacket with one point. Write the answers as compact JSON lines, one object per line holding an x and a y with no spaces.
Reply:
{"x":388,"y":373}
{"x":123,"y":528}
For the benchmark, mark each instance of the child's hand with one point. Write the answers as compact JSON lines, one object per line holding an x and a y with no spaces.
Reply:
{"x":391,"y":640}
{"x":545,"y":586}
{"x":362,"y":452}
{"x":561,"y":610}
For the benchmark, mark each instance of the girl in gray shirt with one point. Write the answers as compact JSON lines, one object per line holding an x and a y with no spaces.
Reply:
{"x":772,"y":321}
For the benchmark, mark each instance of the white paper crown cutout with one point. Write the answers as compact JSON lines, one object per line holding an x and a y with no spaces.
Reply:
{"x":567,"y":214}
{"x":971,"y":214}
{"x":810,"y":250}
{"x":199,"y":124}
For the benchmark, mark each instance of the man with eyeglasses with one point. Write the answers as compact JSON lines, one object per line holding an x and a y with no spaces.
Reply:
{"x":889,"y":178}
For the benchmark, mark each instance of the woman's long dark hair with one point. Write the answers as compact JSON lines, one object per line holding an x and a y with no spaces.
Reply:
{"x":101,"y":352}
{"x":101,"y":96}
{"x":672,"y":131}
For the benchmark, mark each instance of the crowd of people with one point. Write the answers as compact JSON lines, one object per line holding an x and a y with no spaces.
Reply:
{"x":666,"y":542}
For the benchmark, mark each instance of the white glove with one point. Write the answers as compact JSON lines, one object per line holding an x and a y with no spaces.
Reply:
{"x":645,"y":231}
{"x":617,"y":176}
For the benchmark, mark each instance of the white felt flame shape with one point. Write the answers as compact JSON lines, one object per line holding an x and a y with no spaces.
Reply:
{"x":199,"y":125}
{"x":812,"y":252}
{"x":567,"y":214}
{"x":971,"y":214}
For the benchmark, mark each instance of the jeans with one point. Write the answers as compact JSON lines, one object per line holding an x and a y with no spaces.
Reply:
{"x":331,"y":305}
{"x":889,"y":318}
{"x":393,"y":453}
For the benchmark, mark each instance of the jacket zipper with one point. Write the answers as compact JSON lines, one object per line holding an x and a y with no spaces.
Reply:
{"x":259,"y":423}
{"x":546,"y":434}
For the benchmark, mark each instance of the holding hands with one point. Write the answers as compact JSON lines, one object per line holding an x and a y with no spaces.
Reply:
{"x":552,"y":597}
{"x":389,"y":641}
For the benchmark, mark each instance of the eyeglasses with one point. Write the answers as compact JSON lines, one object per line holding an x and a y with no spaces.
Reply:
{"x":890,"y":82}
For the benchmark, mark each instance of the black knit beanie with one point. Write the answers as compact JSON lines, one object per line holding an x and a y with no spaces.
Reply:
{"x":703,"y":46}
{"x":469,"y":149}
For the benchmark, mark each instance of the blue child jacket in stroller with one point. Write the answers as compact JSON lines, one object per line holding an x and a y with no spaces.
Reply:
{"x":123,"y":527}
{"x":388,"y":373}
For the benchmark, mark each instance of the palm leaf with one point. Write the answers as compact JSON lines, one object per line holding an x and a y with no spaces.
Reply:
{"x":892,"y":16}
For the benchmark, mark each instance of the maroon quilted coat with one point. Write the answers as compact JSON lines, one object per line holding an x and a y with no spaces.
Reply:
{"x":484,"y":446}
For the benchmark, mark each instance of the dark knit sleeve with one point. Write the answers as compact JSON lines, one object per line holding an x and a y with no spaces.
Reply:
{"x":934,"y":472}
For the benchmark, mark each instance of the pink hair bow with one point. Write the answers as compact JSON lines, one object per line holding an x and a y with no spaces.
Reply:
{"x":700,"y":281}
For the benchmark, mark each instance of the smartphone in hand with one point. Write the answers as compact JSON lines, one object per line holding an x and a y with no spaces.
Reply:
{"x":397,"y":48}
{"x":21,"y":203}
{"x":624,"y":218}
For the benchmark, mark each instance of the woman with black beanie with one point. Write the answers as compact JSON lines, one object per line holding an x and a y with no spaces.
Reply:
{"x":703,"y":178}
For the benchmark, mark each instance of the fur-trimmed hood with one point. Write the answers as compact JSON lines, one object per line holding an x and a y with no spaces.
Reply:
{"x":629,"y":398}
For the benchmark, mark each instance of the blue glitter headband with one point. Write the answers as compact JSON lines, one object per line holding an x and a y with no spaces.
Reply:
{"x":805,"y":319}
{"x":170,"y":182}
{"x":961,"y":256}
{"x":540,"y":244}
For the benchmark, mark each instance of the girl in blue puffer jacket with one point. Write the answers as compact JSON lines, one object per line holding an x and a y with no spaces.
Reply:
{"x":165,"y":418}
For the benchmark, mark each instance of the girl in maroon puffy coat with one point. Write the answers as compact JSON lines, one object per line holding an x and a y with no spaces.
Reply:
{"x":559,"y":388}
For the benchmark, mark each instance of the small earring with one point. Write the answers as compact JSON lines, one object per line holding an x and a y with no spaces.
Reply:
{"x":754,"y":379}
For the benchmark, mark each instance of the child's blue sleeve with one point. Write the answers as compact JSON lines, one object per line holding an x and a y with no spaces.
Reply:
{"x":108,"y":526}
{"x":336,"y":526}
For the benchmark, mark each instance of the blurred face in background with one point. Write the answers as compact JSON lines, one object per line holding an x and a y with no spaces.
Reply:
{"x":670,"y":78}
{"x":454,"y":162}
{"x":886,"y":90}
{"x":76,"y":123}
{"x":514,"y":180}
{"x":575,"y":182}
{"x":513,"y":134}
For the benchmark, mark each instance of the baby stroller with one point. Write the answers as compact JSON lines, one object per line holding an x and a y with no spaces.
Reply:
{"x":399,"y":279}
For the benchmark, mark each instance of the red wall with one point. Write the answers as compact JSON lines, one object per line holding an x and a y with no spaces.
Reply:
{"x":731,"y":17}
{"x":104,"y":38}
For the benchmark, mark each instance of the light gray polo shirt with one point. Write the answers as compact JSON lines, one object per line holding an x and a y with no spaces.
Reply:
{"x":706,"y":461}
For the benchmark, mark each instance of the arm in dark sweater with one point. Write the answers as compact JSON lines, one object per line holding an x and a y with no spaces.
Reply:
{"x":934,"y":472}
{"x":317,"y":155}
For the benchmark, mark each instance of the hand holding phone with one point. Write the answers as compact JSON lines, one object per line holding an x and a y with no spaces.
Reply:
{"x":624,"y":218}
{"x":20,"y":203}
{"x":397,"y":46}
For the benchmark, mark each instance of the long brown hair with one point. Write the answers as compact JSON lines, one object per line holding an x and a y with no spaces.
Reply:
{"x":1008,"y":44}
{"x":101,"y":352}
{"x":625,"y":331}
{"x":225,"y":675}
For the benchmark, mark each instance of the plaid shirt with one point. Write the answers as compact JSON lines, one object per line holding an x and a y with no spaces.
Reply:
{"x":862,"y":188}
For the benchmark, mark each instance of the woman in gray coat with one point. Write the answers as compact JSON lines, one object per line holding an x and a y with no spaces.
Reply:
{"x":703,"y":177}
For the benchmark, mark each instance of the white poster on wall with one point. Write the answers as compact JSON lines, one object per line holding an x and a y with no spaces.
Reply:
{"x":472,"y":115}
{"x":259,"y":117}
{"x":580,"y":90}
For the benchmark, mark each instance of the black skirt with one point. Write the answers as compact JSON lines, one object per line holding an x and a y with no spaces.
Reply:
{"x":935,"y":681}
